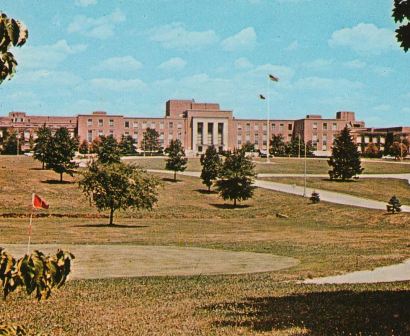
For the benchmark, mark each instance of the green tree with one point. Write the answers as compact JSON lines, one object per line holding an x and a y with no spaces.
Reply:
{"x":388,"y":143}
{"x":11,"y":145}
{"x":108,"y":150}
{"x":345,"y":159}
{"x":176,"y":160}
{"x":41,"y":144}
{"x":31,"y":142}
{"x":371,"y":150}
{"x":401,"y":14}
{"x":127,"y":145}
{"x":60,"y":153}
{"x":95,"y":144}
{"x":236,"y":177}
{"x":13,"y":33}
{"x":399,"y":150}
{"x":277,"y":146}
{"x":211,"y":165}
{"x":248,"y":147}
{"x":84,"y":147}
{"x":295,"y":148}
{"x":118,"y":186}
{"x":150,"y":141}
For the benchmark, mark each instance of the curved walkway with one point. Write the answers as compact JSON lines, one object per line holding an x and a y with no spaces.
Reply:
{"x":325,"y":195}
{"x":114,"y":261}
{"x":399,"y":272}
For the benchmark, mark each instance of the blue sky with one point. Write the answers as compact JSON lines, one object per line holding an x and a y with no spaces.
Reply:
{"x":129,"y":57}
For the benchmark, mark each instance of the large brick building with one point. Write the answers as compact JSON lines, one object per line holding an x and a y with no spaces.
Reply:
{"x":199,"y":125}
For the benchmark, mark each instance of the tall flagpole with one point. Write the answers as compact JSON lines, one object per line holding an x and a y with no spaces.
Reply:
{"x":267,"y":124}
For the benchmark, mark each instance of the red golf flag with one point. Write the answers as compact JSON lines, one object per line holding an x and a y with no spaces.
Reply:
{"x":38,"y":202}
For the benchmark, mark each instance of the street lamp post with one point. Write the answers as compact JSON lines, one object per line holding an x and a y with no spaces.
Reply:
{"x":304,"y":184}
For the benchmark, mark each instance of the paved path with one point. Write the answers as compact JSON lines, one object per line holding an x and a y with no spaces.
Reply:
{"x":399,"y":272}
{"x":325,"y":195}
{"x":113,"y":261}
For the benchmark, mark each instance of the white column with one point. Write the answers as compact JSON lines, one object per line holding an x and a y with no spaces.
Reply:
{"x":194,"y":135}
{"x":216,"y":134}
{"x":225,"y":135}
{"x":205,"y":133}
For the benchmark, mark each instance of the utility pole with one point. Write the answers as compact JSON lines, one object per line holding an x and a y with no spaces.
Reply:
{"x":304,"y":185}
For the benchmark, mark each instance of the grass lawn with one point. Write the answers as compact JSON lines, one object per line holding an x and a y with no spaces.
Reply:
{"x":327,"y":239}
{"x":288,"y":165}
{"x":377,"y":189}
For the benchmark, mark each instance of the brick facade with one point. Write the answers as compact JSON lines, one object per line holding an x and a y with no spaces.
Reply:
{"x":199,"y":125}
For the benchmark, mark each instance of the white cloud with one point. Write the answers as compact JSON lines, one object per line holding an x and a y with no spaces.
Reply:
{"x":245,"y":39}
{"x":292,"y":46}
{"x":364,"y":38}
{"x":117,"y":84}
{"x":175,"y":35}
{"x":85,"y":3}
{"x":125,"y":63}
{"x":243,"y":63}
{"x":382,"y":108}
{"x":175,"y":63}
{"x":355,"y":64}
{"x":47,"y":77}
{"x":101,"y":28}
{"x":47,"y":56}
{"x":319,"y":63}
{"x":320,"y":83}
{"x":382,"y":71}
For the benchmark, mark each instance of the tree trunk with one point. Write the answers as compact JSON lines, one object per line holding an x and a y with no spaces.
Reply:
{"x":175,"y":175}
{"x":43,"y":165}
{"x":61,"y":177}
{"x":234,"y":202}
{"x":111,"y":216}
{"x":209,"y":188}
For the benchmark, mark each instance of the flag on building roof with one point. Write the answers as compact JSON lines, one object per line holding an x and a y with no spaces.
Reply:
{"x":272,"y":77}
{"x":262,"y":97}
{"x":38,"y":202}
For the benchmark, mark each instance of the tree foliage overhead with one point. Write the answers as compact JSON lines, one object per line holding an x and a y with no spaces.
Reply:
{"x":108,"y":150}
{"x":119,"y":186}
{"x":345,"y":160}
{"x":211,"y":165}
{"x":44,"y":137}
{"x":401,"y":14}
{"x":13,"y":33}
{"x":150,"y":142}
{"x":236,"y":177}
{"x":60,"y":153}
{"x":176,"y":160}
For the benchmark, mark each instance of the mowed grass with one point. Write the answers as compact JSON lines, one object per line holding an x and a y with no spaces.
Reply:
{"x":327,"y":239}
{"x":372,"y":188}
{"x":288,"y":165}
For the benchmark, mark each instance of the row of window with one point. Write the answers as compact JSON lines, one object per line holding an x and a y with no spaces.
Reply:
{"x":135,"y":124}
{"x":325,"y":126}
{"x":258,"y":127}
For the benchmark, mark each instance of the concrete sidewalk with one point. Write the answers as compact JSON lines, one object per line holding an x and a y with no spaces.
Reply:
{"x":327,"y":196}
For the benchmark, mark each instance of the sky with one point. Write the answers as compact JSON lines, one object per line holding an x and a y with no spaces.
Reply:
{"x":129,"y":57}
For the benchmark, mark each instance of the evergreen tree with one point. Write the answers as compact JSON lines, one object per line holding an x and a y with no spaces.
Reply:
{"x":277,"y":146}
{"x":108,"y":151}
{"x":211,"y":164}
{"x":345,"y":160}
{"x":84,"y":147}
{"x":119,"y":186}
{"x":388,"y":143}
{"x":176,"y":160}
{"x":60,"y":153}
{"x":11,"y":143}
{"x":236,"y":177}
{"x":150,"y":141}
{"x":394,"y":205}
{"x":127,"y":145}
{"x":41,"y":144}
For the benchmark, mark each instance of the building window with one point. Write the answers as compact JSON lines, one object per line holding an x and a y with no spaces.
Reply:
{"x":239,"y":142}
{"x":325,"y":126}
{"x":90,"y":136}
{"x":112,"y":132}
{"x":281,"y":128}
{"x":255,"y":127}
{"x":382,"y":140}
{"x":359,"y":139}
{"x":127,"y":133}
{"x":314,"y":137}
{"x":100,"y":133}
{"x":366,"y":139}
{"x":161,"y":125}
{"x":135,"y":124}
{"x":334,"y":127}
{"x":100,"y":123}
{"x":239,"y":127}
{"x":248,"y":127}
{"x":111,"y":122}
{"x":171,"y":124}
{"x":127,"y":124}
{"x":199,"y":148}
{"x":179,"y":125}
{"x":289,"y":127}
{"x":89,"y":122}
{"x":315,"y":125}
{"x":273,"y":127}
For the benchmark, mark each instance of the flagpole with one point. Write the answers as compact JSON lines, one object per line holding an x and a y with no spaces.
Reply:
{"x":267,"y":124}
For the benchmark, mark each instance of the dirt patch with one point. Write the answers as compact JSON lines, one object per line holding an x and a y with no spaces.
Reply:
{"x":113,"y":261}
